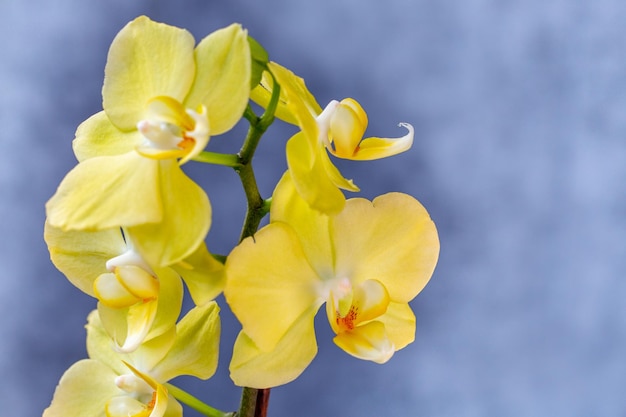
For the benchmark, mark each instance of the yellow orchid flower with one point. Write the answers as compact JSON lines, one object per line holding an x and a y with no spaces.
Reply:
{"x":162,"y":101}
{"x":366,"y":264}
{"x":137,"y":301}
{"x":338,"y":129}
{"x":115,"y":384}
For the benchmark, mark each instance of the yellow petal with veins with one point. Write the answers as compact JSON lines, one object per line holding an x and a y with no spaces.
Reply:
{"x":204,"y":275}
{"x":399,"y":321}
{"x":310,"y":225}
{"x":223,"y":83}
{"x":299,"y":101}
{"x":309,"y":172}
{"x":195,"y":350}
{"x":377,"y":148}
{"x":262,"y":94}
{"x":107,"y":192}
{"x":253,"y":367}
{"x":97,"y":136}
{"x":99,"y":344}
{"x":185,"y":223}
{"x":83,"y":390}
{"x":81,"y":256}
{"x":146,"y":59}
{"x":393,"y":239}
{"x":273,"y":256}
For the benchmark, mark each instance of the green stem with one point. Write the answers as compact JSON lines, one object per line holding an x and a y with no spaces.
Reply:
{"x":257,"y":206}
{"x":229,"y":160}
{"x":196,"y":404}
{"x":254,"y":401}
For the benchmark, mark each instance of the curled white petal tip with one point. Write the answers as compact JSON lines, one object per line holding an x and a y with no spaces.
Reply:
{"x":408,"y":126}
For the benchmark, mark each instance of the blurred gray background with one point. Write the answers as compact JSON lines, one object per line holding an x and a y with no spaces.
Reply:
{"x":520,"y":157}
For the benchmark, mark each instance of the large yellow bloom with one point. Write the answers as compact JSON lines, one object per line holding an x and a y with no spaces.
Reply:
{"x":338,"y":129}
{"x":366,"y":264}
{"x":122,"y":385}
{"x":162,"y":101}
{"x":137,"y":301}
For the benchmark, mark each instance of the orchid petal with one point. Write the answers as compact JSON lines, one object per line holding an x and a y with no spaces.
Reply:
{"x":273,"y":256}
{"x":100,"y":345}
{"x":138,"y":281}
{"x":185,"y":222}
{"x":152,"y":351}
{"x":203,"y":274}
{"x":253,"y":367}
{"x":391,"y":239}
{"x":97,"y":136}
{"x":310,"y":225}
{"x":262,"y":94}
{"x":309,"y":173}
{"x":146,"y":59}
{"x":299,"y":100}
{"x":399,"y":321}
{"x":81,"y":256}
{"x":84,"y":390}
{"x":368,"y":341}
{"x":139,"y":320}
{"x":106,"y":192}
{"x":195,"y":350}
{"x":377,"y":148}
{"x":110,"y":291}
{"x":223,"y":85}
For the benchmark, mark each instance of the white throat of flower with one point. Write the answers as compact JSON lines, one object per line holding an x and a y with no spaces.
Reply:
{"x":172,"y":131}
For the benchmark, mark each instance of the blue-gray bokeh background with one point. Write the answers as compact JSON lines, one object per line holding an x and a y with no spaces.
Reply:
{"x":520,"y":156}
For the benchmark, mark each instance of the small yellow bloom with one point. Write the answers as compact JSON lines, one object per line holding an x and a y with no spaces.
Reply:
{"x":162,"y":101}
{"x":366,"y":264}
{"x":121,"y":385}
{"x":137,"y":301}
{"x":338,"y":129}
